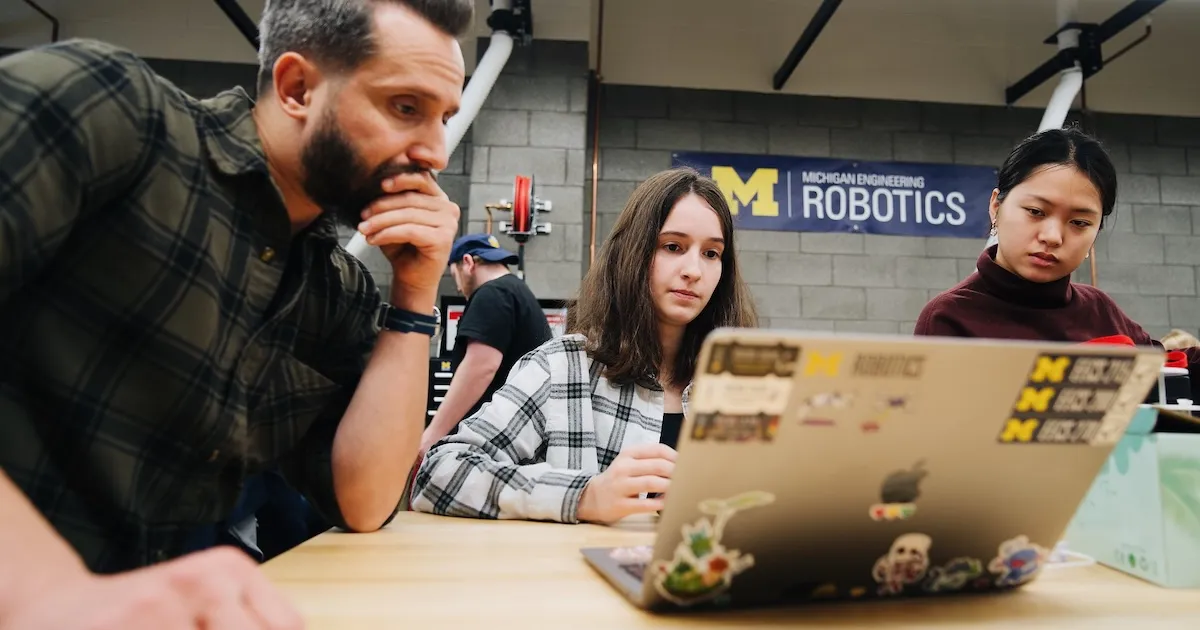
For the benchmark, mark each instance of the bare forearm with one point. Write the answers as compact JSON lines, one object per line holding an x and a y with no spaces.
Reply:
{"x":468,"y":385}
{"x":377,"y":440}
{"x":34,"y":555}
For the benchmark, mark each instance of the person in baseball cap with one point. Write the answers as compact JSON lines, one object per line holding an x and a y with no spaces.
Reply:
{"x":484,"y":246}
{"x":501,"y":323}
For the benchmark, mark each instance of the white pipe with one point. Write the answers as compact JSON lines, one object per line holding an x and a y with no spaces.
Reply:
{"x":1067,"y":11}
{"x":485,"y":76}
{"x":1069,"y":80}
{"x":1060,"y":102}
{"x":487,"y":71}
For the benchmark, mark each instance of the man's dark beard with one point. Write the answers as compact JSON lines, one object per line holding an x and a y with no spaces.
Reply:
{"x":338,"y":180}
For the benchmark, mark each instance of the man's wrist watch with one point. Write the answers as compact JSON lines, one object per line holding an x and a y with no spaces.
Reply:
{"x":400,"y":320}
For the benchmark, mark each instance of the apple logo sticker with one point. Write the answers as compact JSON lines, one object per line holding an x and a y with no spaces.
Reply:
{"x":899,"y":494}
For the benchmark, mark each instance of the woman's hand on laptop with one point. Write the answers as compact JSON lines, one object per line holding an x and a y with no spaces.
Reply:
{"x":616,"y":493}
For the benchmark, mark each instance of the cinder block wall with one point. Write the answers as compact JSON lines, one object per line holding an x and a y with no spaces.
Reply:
{"x":536,"y":122}
{"x":1146,"y":258}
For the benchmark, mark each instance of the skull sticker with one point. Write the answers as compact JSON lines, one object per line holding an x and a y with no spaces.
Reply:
{"x":905,"y":563}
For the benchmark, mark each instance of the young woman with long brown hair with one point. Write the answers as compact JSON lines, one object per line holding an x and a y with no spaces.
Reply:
{"x":574,"y":434}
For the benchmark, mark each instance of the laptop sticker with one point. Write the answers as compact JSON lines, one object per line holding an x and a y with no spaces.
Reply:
{"x":1017,"y":562}
{"x":953,"y":576}
{"x":819,"y":364}
{"x":702,"y":568}
{"x":904,"y":564}
{"x":746,"y":380}
{"x":741,"y":359}
{"x":1116,"y":421}
{"x":815,"y":410}
{"x":722,"y":427}
{"x":885,"y":406}
{"x":899,"y":494}
{"x":1065,"y":399}
{"x":905,"y":366}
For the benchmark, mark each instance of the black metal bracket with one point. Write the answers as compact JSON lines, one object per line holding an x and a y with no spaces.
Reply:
{"x":53,"y":20}
{"x":810,"y":34}
{"x":516,"y":21}
{"x":1088,"y":53}
{"x":241,"y":21}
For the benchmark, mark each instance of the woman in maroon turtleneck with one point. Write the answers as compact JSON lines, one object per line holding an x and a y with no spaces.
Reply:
{"x":1053,"y":194}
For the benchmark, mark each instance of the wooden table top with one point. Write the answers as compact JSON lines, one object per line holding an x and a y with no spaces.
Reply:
{"x":426,"y":571}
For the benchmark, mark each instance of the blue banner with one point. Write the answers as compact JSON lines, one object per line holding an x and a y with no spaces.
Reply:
{"x":833,"y":195}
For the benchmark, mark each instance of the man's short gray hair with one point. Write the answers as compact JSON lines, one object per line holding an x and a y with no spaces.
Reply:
{"x":338,"y":33}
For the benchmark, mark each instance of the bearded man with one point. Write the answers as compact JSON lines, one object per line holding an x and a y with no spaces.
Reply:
{"x":179,"y":317}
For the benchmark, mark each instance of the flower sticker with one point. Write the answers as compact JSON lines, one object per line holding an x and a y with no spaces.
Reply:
{"x":703,"y":568}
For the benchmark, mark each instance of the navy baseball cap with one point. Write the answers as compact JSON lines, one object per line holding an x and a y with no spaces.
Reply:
{"x":484,"y":246}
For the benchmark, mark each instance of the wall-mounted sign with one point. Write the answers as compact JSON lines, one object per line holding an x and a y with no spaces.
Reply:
{"x":834,"y":195}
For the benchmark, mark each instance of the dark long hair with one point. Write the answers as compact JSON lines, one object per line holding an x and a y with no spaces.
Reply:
{"x":614,"y":308}
{"x":1065,"y":147}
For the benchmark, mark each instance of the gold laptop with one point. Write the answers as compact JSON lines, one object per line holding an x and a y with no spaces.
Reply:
{"x":818,"y":467}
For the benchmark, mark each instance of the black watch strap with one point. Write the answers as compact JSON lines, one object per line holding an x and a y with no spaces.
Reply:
{"x":399,"y":320}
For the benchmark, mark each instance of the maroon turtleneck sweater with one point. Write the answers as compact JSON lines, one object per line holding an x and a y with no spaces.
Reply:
{"x":996,"y":303}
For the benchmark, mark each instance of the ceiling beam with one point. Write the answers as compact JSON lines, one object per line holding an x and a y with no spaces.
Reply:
{"x":810,"y":34}
{"x":53,"y":20}
{"x":244,"y":24}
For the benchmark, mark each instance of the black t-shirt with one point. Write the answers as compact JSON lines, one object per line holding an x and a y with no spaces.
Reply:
{"x":504,"y":314}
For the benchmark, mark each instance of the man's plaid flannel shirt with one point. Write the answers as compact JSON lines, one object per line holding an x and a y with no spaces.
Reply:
{"x":528,"y":453}
{"x":165,"y":335}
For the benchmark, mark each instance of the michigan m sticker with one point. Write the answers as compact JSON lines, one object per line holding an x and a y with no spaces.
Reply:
{"x":823,"y":364}
{"x":1063,"y":400}
{"x":1018,"y":430}
{"x":1052,"y":369}
{"x":757,"y":192}
{"x":1035,"y":399}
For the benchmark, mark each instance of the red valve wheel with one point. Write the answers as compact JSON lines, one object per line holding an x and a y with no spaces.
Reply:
{"x":522,"y":202}
{"x":526,"y":186}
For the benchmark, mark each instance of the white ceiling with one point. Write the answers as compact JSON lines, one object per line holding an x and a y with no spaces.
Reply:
{"x":964,"y":51}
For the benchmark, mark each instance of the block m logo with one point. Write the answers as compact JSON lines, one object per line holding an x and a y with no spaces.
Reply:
{"x":1033,"y":399}
{"x":818,"y":362}
{"x":1017,"y":430}
{"x":757,"y":192}
{"x":1050,"y":369}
